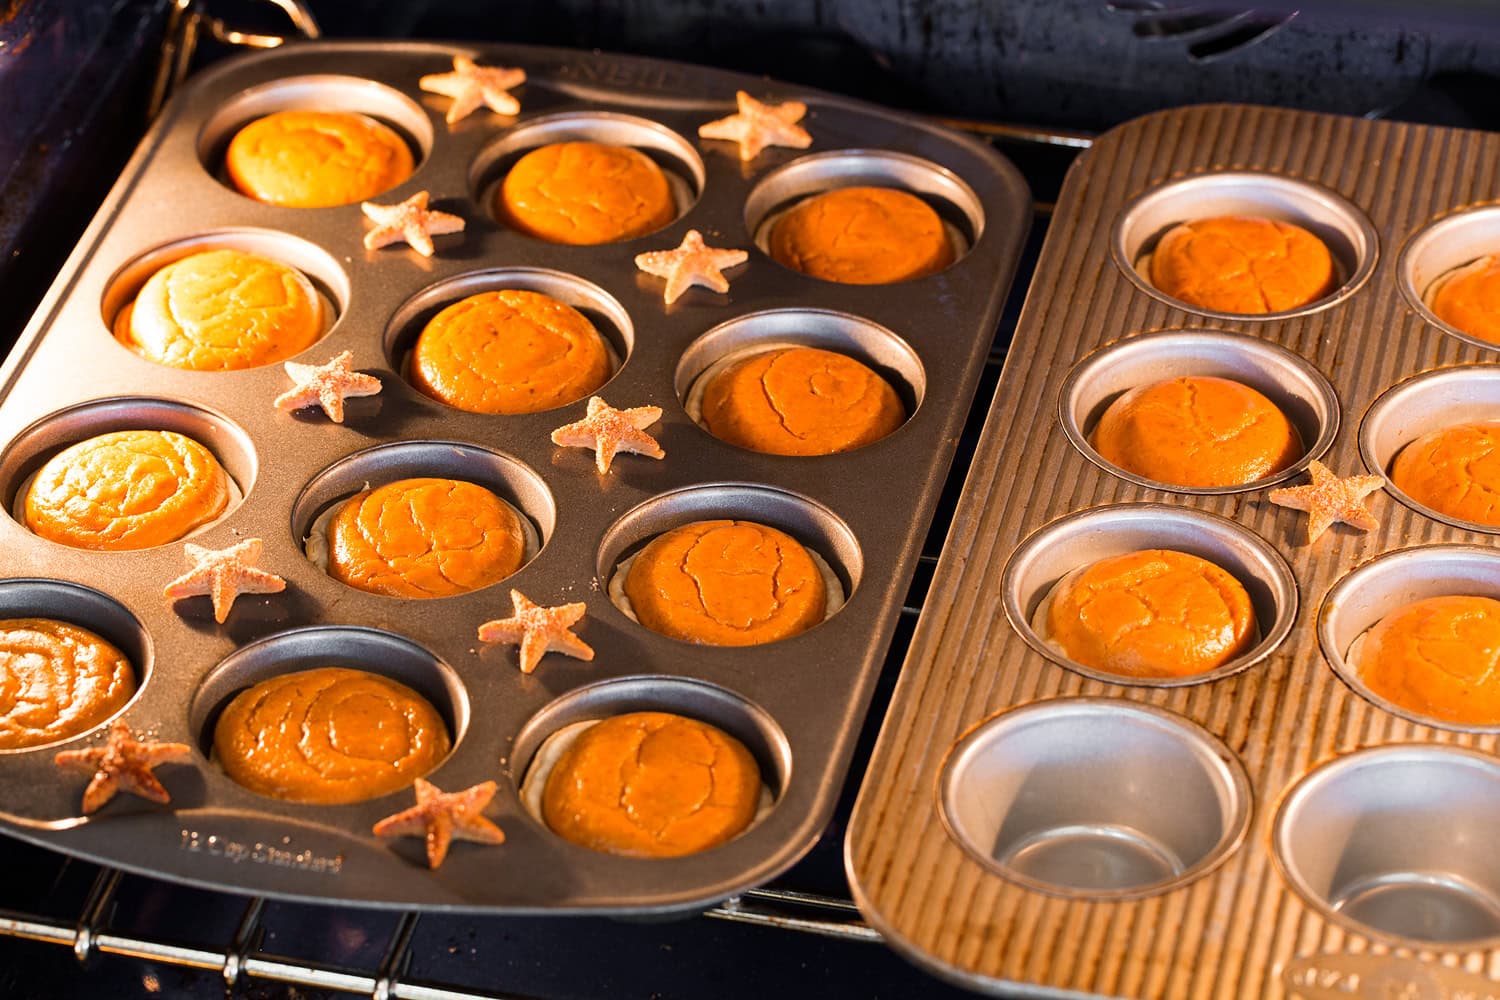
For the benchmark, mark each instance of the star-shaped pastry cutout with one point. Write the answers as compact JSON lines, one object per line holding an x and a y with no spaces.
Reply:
{"x":756,"y":126}
{"x":692,"y":263}
{"x":471,"y":85}
{"x":1328,"y":499}
{"x":326,"y":385}
{"x":539,"y":630}
{"x":410,"y":221}
{"x":441,"y":816}
{"x":224,"y":574}
{"x":609,"y":431}
{"x":123,"y":763}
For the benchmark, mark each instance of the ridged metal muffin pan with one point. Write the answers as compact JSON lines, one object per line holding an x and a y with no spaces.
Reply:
{"x":797,"y":704}
{"x":1365,"y":867}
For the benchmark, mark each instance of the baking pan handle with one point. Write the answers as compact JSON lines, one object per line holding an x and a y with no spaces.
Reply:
{"x":186,"y":22}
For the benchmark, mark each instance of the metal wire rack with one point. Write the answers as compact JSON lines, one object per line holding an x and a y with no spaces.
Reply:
{"x":99,"y":926}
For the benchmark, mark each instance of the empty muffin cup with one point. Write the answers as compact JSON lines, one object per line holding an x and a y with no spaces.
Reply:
{"x":1440,"y":249}
{"x":1422,"y":405}
{"x":741,"y":338}
{"x":677,"y":158}
{"x":1081,"y":539}
{"x":1388,"y":583}
{"x":1292,"y":383}
{"x":1394,"y":842}
{"x":957,"y":206}
{"x":1094,"y":798}
{"x":1347,"y":233}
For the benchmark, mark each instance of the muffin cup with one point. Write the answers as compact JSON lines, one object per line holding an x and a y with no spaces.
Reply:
{"x":32,"y":447}
{"x":87,"y":608}
{"x":599,"y":307}
{"x":1346,"y":231}
{"x":1297,"y":388}
{"x":827,"y":539}
{"x":676,"y":156}
{"x":948,"y":195}
{"x":1393,"y":842}
{"x":735,"y":715}
{"x":358,"y":648}
{"x":329,"y":279}
{"x":514,"y":483}
{"x":1088,"y":536}
{"x":754,"y":333}
{"x":1094,"y":797}
{"x":1423,"y":404}
{"x":1440,"y":248}
{"x":1392,"y":581}
{"x":319,"y":92}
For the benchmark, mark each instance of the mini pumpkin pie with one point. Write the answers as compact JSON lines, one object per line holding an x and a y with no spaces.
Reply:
{"x":220,"y":310}
{"x":726,"y":583}
{"x":585,"y":193}
{"x":645,"y":784}
{"x":127,"y":490}
{"x":1242,"y":264}
{"x":329,"y":735}
{"x":862,"y":236}
{"x":421,"y":537}
{"x":1197,"y":431}
{"x":509,"y":351}
{"x":1436,"y":657}
{"x":1455,"y":471}
{"x":316,"y":159}
{"x":1155,"y":613}
{"x":57,"y":680}
{"x":1469,"y":298}
{"x":795,"y":401}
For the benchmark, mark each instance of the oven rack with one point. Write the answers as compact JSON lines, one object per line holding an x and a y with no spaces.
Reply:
{"x":88,"y":931}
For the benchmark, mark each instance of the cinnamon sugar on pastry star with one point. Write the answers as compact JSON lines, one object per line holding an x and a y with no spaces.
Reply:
{"x":539,"y":630}
{"x":692,"y":263}
{"x":224,"y":574}
{"x":123,"y":763}
{"x":441,"y":816}
{"x":756,"y":126}
{"x":471,"y":85}
{"x":409,"y":220}
{"x":326,"y":385}
{"x":609,"y":431}
{"x":1328,"y":499}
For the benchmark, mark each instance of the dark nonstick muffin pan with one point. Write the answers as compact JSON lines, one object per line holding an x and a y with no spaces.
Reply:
{"x":797,"y":704}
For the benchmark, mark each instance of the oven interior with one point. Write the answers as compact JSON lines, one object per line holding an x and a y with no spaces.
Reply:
{"x":78,"y":82}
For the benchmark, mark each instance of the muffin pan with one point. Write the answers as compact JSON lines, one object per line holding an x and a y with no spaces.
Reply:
{"x":1366,"y":864}
{"x":797,"y":704}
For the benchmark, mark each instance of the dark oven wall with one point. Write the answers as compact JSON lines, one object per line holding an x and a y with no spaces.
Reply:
{"x":1077,"y":63}
{"x":76,"y":75}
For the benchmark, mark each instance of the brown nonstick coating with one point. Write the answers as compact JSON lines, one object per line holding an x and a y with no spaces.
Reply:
{"x":798,"y":703}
